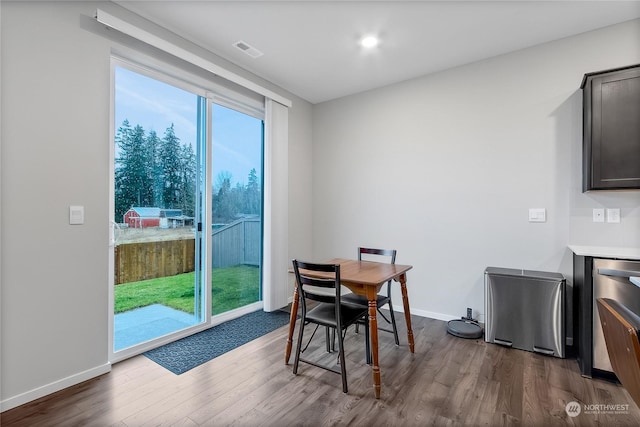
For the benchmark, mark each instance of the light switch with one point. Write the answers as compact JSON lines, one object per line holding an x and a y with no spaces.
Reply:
{"x":537,"y":215}
{"x":598,"y":215}
{"x":613,"y":215}
{"x":76,"y":215}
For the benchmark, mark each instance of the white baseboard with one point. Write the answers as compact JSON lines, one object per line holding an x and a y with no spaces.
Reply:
{"x":434,"y":315}
{"x":421,"y":313}
{"x":424,"y":313}
{"x":53,"y":387}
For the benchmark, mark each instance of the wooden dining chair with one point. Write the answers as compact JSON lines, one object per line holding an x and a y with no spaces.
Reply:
{"x":329,"y":312}
{"x":383,"y":298}
{"x":621,"y":328}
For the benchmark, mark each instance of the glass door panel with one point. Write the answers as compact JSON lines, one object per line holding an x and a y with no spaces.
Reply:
{"x":157,"y":275}
{"x":236,"y":209}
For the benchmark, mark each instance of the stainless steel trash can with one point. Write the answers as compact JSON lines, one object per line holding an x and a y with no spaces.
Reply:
{"x":525,"y":309}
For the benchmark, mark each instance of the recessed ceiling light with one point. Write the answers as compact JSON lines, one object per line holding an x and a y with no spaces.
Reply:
{"x":369,"y":41}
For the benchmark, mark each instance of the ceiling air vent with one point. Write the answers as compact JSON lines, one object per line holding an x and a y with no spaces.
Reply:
{"x":248,"y":49}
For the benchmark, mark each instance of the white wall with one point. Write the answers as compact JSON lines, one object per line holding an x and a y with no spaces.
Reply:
{"x":444,"y":168}
{"x":55,"y":153}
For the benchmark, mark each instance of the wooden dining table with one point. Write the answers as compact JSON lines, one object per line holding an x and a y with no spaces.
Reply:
{"x":363,"y":278}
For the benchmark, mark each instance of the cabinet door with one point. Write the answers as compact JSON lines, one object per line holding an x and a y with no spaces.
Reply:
{"x":615,"y":155}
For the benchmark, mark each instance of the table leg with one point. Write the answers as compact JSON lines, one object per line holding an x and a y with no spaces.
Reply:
{"x":407,"y":313}
{"x":373,"y":330}
{"x":292,"y":324}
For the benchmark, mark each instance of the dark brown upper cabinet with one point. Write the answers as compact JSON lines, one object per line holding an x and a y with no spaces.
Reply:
{"x":611,"y":136}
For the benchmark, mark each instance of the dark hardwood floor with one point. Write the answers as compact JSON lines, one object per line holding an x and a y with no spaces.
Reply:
{"x":448,"y":381}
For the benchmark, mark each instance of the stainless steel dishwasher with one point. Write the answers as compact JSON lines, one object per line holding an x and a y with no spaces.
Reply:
{"x":611,"y":279}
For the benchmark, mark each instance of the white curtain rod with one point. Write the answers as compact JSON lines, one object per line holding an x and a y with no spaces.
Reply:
{"x":179,"y":52}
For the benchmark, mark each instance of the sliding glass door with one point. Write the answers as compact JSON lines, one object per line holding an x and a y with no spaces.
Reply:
{"x":186,"y":208}
{"x":237,"y":161}
{"x":158,"y":281}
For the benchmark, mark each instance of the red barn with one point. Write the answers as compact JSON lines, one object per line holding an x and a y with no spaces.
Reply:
{"x":142,"y":217}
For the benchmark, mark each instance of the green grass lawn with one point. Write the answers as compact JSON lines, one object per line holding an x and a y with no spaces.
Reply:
{"x":231,"y":287}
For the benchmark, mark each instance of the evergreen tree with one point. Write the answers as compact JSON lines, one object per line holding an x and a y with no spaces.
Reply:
{"x":171,"y":167}
{"x":155,"y":168}
{"x":134,"y":184}
{"x":236,"y":201}
{"x":123,"y":198}
{"x":154,"y":172}
{"x":222,"y":198}
{"x":188,"y":180}
{"x":252,"y":196}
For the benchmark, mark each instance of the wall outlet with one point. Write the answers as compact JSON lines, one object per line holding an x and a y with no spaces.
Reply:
{"x":613,"y":215}
{"x":598,"y":215}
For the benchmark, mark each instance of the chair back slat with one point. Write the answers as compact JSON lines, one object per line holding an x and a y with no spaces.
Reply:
{"x":381,"y":252}
{"x":320,"y":283}
{"x":318,"y":289}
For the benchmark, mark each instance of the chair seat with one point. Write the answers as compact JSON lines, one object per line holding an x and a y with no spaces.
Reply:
{"x":325,"y":314}
{"x":362,"y":301}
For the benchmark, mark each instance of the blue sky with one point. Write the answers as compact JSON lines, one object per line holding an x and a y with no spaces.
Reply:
{"x":154,"y":105}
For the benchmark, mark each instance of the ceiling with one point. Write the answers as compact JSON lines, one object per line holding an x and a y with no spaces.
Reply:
{"x":310,"y":48}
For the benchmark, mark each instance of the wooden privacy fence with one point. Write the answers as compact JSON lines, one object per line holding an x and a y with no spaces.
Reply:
{"x":237,"y":243}
{"x":150,"y":260}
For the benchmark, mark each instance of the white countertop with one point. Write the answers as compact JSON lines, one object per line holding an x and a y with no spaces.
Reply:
{"x":606,"y":252}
